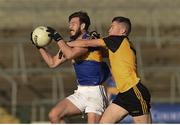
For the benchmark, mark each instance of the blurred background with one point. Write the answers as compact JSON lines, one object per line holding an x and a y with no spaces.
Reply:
{"x":29,"y":89}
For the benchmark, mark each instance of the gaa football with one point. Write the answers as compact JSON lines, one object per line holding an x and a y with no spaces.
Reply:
{"x":40,"y":36}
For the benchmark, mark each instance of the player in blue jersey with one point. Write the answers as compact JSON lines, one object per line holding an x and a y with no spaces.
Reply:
{"x":90,"y":70}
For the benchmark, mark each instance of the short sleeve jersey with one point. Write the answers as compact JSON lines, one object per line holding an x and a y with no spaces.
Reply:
{"x":90,"y":68}
{"x":122,"y":58}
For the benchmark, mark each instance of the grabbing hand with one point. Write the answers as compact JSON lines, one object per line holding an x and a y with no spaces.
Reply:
{"x":94,"y":35}
{"x":54,"y":34}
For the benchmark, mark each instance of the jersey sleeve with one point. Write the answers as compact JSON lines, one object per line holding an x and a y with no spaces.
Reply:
{"x":113,"y":42}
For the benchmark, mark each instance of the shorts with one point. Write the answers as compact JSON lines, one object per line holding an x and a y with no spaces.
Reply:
{"x":90,"y":99}
{"x":136,"y":100}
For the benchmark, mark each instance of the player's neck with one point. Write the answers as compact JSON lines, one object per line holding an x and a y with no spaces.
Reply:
{"x":81,"y":36}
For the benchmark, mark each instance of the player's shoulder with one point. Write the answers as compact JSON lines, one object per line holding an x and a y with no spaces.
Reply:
{"x":113,"y":42}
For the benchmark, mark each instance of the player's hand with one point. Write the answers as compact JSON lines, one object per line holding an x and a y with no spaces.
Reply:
{"x":54,"y":34}
{"x":33,"y":42}
{"x":94,"y":35}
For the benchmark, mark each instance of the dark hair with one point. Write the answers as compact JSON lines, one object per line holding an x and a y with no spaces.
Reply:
{"x":124,"y":20}
{"x":83,"y":17}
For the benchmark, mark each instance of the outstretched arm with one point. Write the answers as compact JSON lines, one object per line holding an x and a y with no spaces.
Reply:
{"x":87,"y":43}
{"x":71,"y":52}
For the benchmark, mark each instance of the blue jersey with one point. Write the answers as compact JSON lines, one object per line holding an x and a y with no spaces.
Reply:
{"x":90,"y":69}
{"x":110,"y":82}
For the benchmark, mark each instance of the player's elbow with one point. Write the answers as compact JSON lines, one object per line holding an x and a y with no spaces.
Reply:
{"x":68,"y":56}
{"x":52,"y":66}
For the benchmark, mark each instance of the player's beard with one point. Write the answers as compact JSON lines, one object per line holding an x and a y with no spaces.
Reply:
{"x":76,"y":35}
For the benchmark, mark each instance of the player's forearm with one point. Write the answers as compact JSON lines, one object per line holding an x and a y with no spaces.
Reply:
{"x":79,"y":43}
{"x":51,"y":61}
{"x":86,"y":43}
{"x":46,"y":56}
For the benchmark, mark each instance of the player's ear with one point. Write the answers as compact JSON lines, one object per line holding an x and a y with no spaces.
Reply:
{"x":82,"y":26}
{"x":123,"y":31}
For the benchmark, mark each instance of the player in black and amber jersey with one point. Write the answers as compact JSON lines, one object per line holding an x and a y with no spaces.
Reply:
{"x":133,"y":97}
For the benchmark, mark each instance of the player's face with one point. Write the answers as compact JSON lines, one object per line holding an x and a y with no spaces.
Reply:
{"x":74,"y":27}
{"x":116,"y":28}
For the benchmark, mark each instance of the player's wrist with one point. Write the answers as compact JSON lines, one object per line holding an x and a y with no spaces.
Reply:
{"x":57,"y":37}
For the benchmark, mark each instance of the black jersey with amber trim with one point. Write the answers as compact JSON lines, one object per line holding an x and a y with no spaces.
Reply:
{"x":122,"y":59}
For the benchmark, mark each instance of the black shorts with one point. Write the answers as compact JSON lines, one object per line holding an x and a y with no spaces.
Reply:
{"x":136,"y":100}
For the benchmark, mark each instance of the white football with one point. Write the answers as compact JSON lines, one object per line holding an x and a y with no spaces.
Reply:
{"x":40,"y":36}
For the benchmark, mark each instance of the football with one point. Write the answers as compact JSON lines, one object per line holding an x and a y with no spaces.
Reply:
{"x":40,"y":36}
